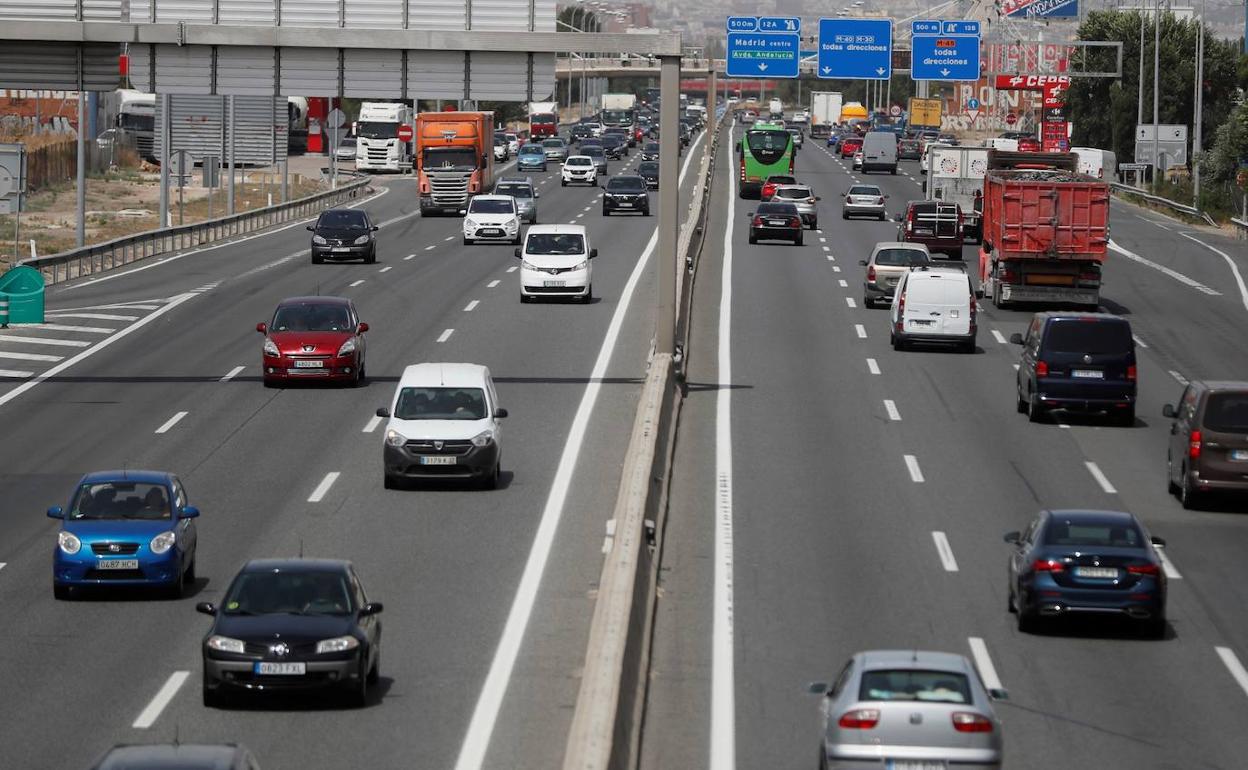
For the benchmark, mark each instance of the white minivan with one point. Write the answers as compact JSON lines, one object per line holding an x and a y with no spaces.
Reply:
{"x":555,"y":262}
{"x":933,"y":304}
{"x":879,"y":152}
{"x":444,"y":423}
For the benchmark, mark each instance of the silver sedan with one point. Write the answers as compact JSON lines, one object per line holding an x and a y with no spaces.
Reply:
{"x":804,"y":198}
{"x":864,"y":200}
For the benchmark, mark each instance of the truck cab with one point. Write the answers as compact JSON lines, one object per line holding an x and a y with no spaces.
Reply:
{"x":378,"y":147}
{"x":454,"y":159}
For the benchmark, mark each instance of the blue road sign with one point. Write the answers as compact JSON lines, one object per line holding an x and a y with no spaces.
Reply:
{"x":972,"y":104}
{"x":779,"y":24}
{"x":762,"y":54}
{"x":960,"y":27}
{"x":855,"y":49}
{"x":926,"y":27}
{"x":742,"y":23}
{"x":944,"y":57}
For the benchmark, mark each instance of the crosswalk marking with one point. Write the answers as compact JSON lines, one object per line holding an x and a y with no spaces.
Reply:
{"x":66,"y":328}
{"x":95,"y":316}
{"x":29,"y":356}
{"x":43,"y":341}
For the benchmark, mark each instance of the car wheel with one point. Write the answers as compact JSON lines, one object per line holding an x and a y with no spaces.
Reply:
{"x":844,"y":215}
{"x":178,"y":589}
{"x":1025,"y":621}
{"x":1188,"y":495}
{"x":867,"y":302}
{"x":516,"y":240}
{"x":371,"y":259}
{"x":883,"y":217}
{"x":898,"y":342}
{"x":814,"y":224}
{"x":645,"y":212}
{"x":589,"y":294}
{"x":753,"y":239}
{"x":798,"y":241}
{"x":525,"y":299}
{"x":317,"y":260}
{"x":563,"y":183}
{"x":61,"y":593}
{"x":605,"y":213}
{"x":1035,"y":412}
{"x":390,"y":482}
{"x":491,"y":481}
{"x":189,"y":575}
{"x":968,"y":346}
{"x":374,"y":673}
{"x":1127,"y":418}
{"x":212,"y":698}
{"x":1171,"y":487}
{"x":357,"y":695}
{"x":1021,"y":403}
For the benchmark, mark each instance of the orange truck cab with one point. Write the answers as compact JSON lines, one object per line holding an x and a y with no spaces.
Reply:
{"x":454,"y":159}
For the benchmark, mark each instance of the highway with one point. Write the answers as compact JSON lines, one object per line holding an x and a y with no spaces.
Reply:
{"x":831,"y":495}
{"x":488,"y":595}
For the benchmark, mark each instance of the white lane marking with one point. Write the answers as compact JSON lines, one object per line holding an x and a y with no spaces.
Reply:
{"x":172,"y":421}
{"x":16,"y":374}
{"x":1239,"y":279}
{"x":409,"y":256}
{"x":1167,"y":566}
{"x":43,"y":341}
{"x":823,"y":240}
{"x":1016,"y":367}
{"x":232,"y":373}
{"x":912,"y":465}
{"x":1178,"y":377}
{"x":826,"y":248}
{"x":3,"y":564}
{"x":445,"y":335}
{"x":372,"y":424}
{"x":890,"y":406}
{"x":512,"y":269}
{"x":1175,"y":274}
{"x":861,"y":330}
{"x":355,"y":283}
{"x":836,"y":269}
{"x":449,"y":238}
{"x":94,"y":316}
{"x":945,"y":552}
{"x":386,"y":269}
{"x":841,"y":282}
{"x":30,"y":356}
{"x":492,"y":284}
{"x":983,"y":662}
{"x":431,"y":247}
{"x":485,"y":714}
{"x":318,"y":494}
{"x":469,"y":307}
{"x":1238,"y":673}
{"x":578,"y":216}
{"x":999,"y":337}
{"x":1139,"y":341}
{"x":1063,"y":426}
{"x":148,"y":716}
{"x":872,"y":366}
{"x":1097,"y":474}
{"x":66,"y":328}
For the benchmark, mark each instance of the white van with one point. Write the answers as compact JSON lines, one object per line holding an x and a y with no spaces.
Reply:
{"x":555,"y":262}
{"x":1102,"y":164}
{"x":444,"y":423}
{"x":933,"y":304}
{"x":879,"y":152}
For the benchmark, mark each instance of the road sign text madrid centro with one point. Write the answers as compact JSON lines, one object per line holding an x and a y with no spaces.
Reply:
{"x":855,"y":49}
{"x":769,"y":51}
{"x":944,"y":57}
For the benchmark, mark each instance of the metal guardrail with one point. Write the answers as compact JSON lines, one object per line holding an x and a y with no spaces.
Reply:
{"x":1242,"y":224}
{"x":1191,"y":211}
{"x":99,"y":257}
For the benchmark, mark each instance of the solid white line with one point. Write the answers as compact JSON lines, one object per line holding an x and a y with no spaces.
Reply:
{"x":1095,"y":470}
{"x":151,"y":713}
{"x":356,"y":283}
{"x":94,"y":316}
{"x":512,"y":269}
{"x":983,"y":662}
{"x":890,"y":406}
{"x":172,"y":421}
{"x":1139,"y":341}
{"x":469,"y":307}
{"x":945,"y":552}
{"x":1168,"y":566}
{"x":861,"y":330}
{"x":446,"y":335}
{"x":16,"y":373}
{"x":386,"y":269}
{"x":232,"y":373}
{"x":1178,"y":377}
{"x":20,"y":389}
{"x":485,"y":714}
{"x":318,"y":494}
{"x":30,"y":356}
{"x":1233,"y":665}
{"x":912,"y":465}
{"x":841,"y":282}
{"x":1176,"y":275}
{"x":492,"y":284}
{"x":431,"y":247}
{"x":872,"y":366}
{"x":850,"y":302}
{"x":65,"y":328}
{"x":1239,"y":279}
{"x":999,"y":337}
{"x":44,"y":341}
{"x":372,"y":424}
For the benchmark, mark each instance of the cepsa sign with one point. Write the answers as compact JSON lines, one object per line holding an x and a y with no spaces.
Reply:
{"x":1031,"y":82}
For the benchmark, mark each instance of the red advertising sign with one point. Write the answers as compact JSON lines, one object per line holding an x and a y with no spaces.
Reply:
{"x":1053,"y":137}
{"x":1031,"y":82}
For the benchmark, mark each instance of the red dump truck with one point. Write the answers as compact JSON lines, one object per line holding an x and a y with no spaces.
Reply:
{"x":1045,"y":230}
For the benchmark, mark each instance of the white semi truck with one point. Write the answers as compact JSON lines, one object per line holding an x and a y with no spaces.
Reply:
{"x":956,"y":175}
{"x":377,"y":146}
{"x":825,"y":110}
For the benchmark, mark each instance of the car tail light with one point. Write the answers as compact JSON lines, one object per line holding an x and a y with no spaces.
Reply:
{"x":1131,"y":372}
{"x":795,"y":221}
{"x":1048,"y":565}
{"x":810,"y":200}
{"x":758,"y":221}
{"x":859,"y":719}
{"x":871,"y":272}
{"x":901,"y":308}
{"x":879,"y":201}
{"x":1091,"y":276}
{"x":1042,"y":369}
{"x":1193,"y":445}
{"x":1143,"y":569}
{"x":970,"y":722}
{"x":1007,"y":275}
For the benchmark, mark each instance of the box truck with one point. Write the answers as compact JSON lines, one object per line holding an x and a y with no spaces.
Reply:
{"x":957,"y":176}
{"x":825,"y":111}
{"x":543,"y":120}
{"x":454,"y":159}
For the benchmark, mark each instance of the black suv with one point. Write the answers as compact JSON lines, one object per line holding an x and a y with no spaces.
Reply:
{"x":614,"y":147}
{"x":343,"y":234}
{"x":650,"y":151}
{"x":649,"y":171}
{"x":1077,"y":362}
{"x":626,"y":192}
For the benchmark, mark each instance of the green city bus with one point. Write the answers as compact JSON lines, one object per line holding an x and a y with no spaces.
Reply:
{"x":765,"y":149}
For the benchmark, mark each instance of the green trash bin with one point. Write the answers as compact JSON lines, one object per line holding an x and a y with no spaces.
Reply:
{"x":22,"y":288}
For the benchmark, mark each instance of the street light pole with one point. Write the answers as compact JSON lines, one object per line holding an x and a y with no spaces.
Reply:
{"x":1139,"y":104}
{"x":1156,"y":79}
{"x":1199,"y":105}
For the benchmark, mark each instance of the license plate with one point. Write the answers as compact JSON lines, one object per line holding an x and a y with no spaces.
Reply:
{"x":921,"y":322}
{"x":624,"y":205}
{"x":491,"y":231}
{"x":117,"y":564}
{"x":1101,"y":573}
{"x":776,"y":223}
{"x":1087,"y":374}
{"x":438,"y":460}
{"x":554,"y":284}
{"x":1239,"y":454}
{"x":280,"y":669}
{"x":309,"y":364}
{"x":923,"y":230}
{"x":916,"y":764}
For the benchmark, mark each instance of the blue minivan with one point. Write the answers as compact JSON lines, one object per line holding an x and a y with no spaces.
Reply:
{"x":1077,"y":362}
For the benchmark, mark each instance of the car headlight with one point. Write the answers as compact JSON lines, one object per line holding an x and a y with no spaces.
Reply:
{"x":347,"y":347}
{"x":470,"y":224}
{"x":363,"y":239}
{"x":337,"y":644}
{"x":512,"y":224}
{"x":394,"y":438}
{"x":318,"y":240}
{"x":225,"y":644}
{"x":483,"y":438}
{"x":270,"y":348}
{"x":163,"y":542}
{"x":582,"y":266}
{"x":68,"y":542}
{"x":528,"y":265}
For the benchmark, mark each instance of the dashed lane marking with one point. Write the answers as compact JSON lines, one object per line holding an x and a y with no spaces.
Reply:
{"x":172,"y":421}
{"x":945,"y":552}
{"x":446,"y":335}
{"x":232,"y":373}
{"x":1099,"y":475}
{"x":322,"y":489}
{"x":912,"y":465}
{"x":873,"y":366}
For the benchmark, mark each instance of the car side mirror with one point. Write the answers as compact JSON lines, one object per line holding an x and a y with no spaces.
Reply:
{"x":818,"y":198}
{"x":206,"y":608}
{"x":190,"y":512}
{"x":516,"y":253}
{"x":310,"y":228}
{"x":382,"y":412}
{"x":593,"y":253}
{"x":897,"y":218}
{"x":262,"y":327}
{"x":537,"y":195}
{"x":1016,"y":338}
{"x":862,"y":262}
{"x":363,"y":327}
{"x":500,"y":413}
{"x":817,"y":688}
{"x":998,"y":693}
{"x":749,"y":215}
{"x":886,"y":197}
{"x":1013,"y":537}
{"x":1158,"y":541}
{"x":372,"y":608}
{"x":56,"y":512}
{"x":1169,"y":411}
{"x":376,"y":228}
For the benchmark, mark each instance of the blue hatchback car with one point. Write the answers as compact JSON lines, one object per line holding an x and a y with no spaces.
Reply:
{"x":532,"y":157}
{"x":125,"y":528}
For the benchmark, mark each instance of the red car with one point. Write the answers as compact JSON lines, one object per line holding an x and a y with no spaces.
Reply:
{"x":313,"y":338}
{"x":768,"y":190}
{"x":1028,"y":144}
{"x":850,"y":145}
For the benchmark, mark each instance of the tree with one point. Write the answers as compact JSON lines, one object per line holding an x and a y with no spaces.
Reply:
{"x":1230,"y":147}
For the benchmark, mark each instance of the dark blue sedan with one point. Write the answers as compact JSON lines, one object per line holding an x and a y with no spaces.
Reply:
{"x":1087,"y":562}
{"x":125,"y":528}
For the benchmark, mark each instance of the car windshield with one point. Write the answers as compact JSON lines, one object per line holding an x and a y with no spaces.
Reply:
{"x":556,"y":143}
{"x":651,"y":147}
{"x":542,"y":120}
{"x":1077,"y":336}
{"x":555,"y":243}
{"x":515,"y":190}
{"x":901,"y":257}
{"x":295,"y":592}
{"x":1099,"y":534}
{"x":491,"y":206}
{"x":450,"y":158}
{"x":611,"y":140}
{"x":440,"y":404}
{"x":580,"y":161}
{"x":343,"y":220}
{"x":370,"y":130}
{"x":311,"y":318}
{"x":120,"y":500}
{"x":777,"y":208}
{"x":648,"y":167}
{"x":795,"y":193}
{"x":627,"y":184}
{"x":768,"y":145}
{"x":780,"y":179}
{"x":863,"y":190}
{"x":915,"y":685}
{"x":593,"y":151}
{"x":1227,"y":413}
{"x":531,"y":149}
